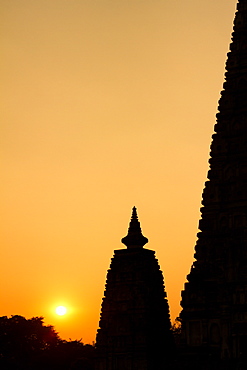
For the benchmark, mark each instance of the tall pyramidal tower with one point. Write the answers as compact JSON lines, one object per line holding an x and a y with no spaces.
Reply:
{"x":134,"y":330}
{"x":214,"y":301}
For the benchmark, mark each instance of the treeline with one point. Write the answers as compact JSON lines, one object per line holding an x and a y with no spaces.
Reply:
{"x":28,"y":344}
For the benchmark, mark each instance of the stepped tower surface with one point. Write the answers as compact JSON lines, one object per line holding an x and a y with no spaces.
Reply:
{"x":134,"y":330}
{"x":214,"y":301}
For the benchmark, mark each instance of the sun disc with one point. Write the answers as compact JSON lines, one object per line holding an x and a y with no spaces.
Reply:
{"x":61,"y":310}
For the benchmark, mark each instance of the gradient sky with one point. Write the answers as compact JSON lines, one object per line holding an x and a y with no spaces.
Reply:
{"x":105,"y":104}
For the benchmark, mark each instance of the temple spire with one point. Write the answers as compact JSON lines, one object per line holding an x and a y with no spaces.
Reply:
{"x":212,"y":324}
{"x":134,"y":329}
{"x":134,"y":238}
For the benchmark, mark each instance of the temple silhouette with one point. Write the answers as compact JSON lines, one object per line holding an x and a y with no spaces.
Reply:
{"x":214,"y":301}
{"x":134,"y":331}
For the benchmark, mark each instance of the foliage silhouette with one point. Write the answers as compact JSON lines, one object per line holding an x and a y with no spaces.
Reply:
{"x":177,"y":330}
{"x":29,"y":344}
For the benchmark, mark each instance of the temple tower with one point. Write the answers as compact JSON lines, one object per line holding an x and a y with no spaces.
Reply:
{"x":134,"y":329}
{"x":214,"y":301}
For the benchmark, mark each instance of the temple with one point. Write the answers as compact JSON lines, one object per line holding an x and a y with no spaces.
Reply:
{"x":214,"y":301}
{"x":134,"y":330}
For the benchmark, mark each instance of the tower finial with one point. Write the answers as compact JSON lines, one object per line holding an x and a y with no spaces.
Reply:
{"x":134,"y":238}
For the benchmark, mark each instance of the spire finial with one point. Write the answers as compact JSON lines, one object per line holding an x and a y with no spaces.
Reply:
{"x":134,"y":238}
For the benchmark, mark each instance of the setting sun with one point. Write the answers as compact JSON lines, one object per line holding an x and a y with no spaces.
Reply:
{"x":61,"y":310}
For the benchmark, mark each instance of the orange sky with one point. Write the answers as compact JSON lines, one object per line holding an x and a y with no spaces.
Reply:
{"x":105,"y":104}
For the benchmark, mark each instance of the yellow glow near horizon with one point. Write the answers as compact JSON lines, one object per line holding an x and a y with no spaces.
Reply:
{"x":61,"y":310}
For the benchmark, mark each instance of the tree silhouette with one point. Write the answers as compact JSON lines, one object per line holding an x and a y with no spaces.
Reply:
{"x":176,"y":330}
{"x":21,"y":340}
{"x":29,"y":344}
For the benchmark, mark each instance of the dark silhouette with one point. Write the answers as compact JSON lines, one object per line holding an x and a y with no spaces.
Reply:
{"x":177,"y":331}
{"x":135,"y":330}
{"x":214,"y":302}
{"x":27,"y":344}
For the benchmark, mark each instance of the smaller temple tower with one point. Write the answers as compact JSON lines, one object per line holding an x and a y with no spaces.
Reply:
{"x":134,"y":329}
